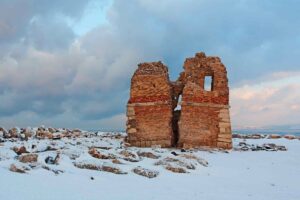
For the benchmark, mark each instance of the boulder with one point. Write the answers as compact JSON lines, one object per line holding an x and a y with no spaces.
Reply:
{"x":175,"y":169}
{"x":28,"y":158}
{"x":290,"y":137}
{"x":20,"y":150}
{"x":145,"y":172}
{"x":96,"y":154}
{"x":14,"y":133}
{"x":148,"y":155}
{"x":17,"y":169}
{"x":274,"y":136}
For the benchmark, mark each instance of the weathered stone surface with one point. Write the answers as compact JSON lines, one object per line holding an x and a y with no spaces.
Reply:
{"x":274,"y":136}
{"x":148,"y":155}
{"x":20,"y":150}
{"x":17,"y":169}
{"x":149,"y":108}
{"x":28,"y":158}
{"x":96,"y":154}
{"x":175,"y":169}
{"x":202,"y":119}
{"x":106,"y":168}
{"x":145,"y":172}
{"x":290,"y":137}
{"x":243,"y":146}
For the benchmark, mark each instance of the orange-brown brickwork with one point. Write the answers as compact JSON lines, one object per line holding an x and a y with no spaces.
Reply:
{"x":153,"y":117}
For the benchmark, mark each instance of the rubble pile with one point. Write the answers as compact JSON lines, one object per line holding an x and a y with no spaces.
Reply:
{"x":243,"y":146}
{"x":51,"y":149}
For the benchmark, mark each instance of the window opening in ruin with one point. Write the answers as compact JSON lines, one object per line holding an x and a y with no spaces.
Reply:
{"x":208,"y":83}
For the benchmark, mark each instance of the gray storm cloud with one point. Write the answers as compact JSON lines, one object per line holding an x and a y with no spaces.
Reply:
{"x":53,"y":76}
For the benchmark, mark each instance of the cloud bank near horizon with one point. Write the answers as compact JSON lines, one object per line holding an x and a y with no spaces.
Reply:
{"x":51,"y":75}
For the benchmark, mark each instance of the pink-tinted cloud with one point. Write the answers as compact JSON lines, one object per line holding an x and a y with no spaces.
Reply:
{"x":269,"y":103}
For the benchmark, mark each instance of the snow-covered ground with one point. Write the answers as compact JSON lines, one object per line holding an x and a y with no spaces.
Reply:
{"x":258,"y":175}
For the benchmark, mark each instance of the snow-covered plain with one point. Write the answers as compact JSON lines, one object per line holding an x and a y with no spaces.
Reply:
{"x":258,"y":175}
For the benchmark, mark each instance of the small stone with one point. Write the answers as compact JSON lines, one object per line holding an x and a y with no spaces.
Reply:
{"x":96,"y":154}
{"x":28,"y":158}
{"x":14,"y":168}
{"x":148,"y":155}
{"x":145,"y":172}
{"x":14,"y":133}
{"x":52,"y":161}
{"x":105,"y":168}
{"x":20,"y":150}
{"x":116,"y":161}
{"x":290,"y":137}
{"x":130,"y":156}
{"x":274,"y":136}
{"x":175,"y":169}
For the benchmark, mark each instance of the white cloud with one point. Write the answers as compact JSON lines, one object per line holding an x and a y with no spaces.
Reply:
{"x":270,"y":103}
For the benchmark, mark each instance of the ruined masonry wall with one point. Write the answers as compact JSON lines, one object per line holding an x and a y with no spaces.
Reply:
{"x":149,"y":109}
{"x":204,"y":116}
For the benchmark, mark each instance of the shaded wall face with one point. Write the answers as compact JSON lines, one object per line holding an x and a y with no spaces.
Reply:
{"x":149,"y":110}
{"x":204,"y":117}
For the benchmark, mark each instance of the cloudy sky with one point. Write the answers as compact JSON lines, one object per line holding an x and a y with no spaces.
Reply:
{"x":68,"y":63}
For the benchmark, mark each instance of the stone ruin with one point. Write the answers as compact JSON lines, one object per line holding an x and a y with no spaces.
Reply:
{"x":184,"y":113}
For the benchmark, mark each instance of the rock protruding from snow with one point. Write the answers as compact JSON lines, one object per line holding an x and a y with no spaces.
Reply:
{"x":243,"y":146}
{"x":99,"y":167}
{"x":20,"y":150}
{"x":148,"y":155}
{"x":145,"y":172}
{"x":96,"y":154}
{"x":52,"y":161}
{"x":18,"y":168}
{"x":28,"y":158}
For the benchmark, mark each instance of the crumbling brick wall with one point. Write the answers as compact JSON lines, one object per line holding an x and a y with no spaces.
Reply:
{"x":149,"y":109}
{"x":203,"y":120}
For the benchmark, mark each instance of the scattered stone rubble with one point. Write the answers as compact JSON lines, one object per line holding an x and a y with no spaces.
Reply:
{"x":96,"y":154}
{"x":106,"y":152}
{"x":43,"y":149}
{"x":52,"y":161}
{"x":145,"y":172}
{"x":181,"y":113}
{"x":262,"y":136}
{"x":148,"y":155}
{"x":104,"y":167}
{"x":18,"y":169}
{"x":39,"y":133}
{"x":20,"y":150}
{"x":28,"y":158}
{"x":243,"y":146}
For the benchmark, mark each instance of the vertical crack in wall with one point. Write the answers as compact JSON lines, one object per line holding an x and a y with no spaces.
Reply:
{"x":177,"y":88}
{"x":175,"y":120}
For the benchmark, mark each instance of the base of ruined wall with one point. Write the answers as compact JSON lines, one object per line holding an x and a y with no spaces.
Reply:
{"x":160,"y":143}
{"x":204,"y":125}
{"x":149,"y":124}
